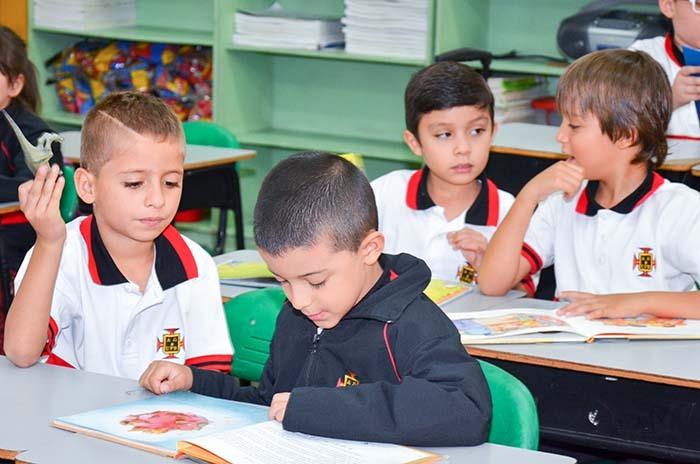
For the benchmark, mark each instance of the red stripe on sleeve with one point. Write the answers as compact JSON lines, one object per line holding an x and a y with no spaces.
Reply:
{"x":216,"y":362}
{"x":58,"y":361}
{"x":532,"y":257}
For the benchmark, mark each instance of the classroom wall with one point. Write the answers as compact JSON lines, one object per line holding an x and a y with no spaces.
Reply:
{"x":14,"y":15}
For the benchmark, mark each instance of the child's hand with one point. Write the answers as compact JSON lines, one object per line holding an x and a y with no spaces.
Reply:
{"x":686,"y":87}
{"x":278,"y":406}
{"x":162,"y":377}
{"x":599,"y":306}
{"x":471,"y":243}
{"x":39,"y":200}
{"x":564,"y":176}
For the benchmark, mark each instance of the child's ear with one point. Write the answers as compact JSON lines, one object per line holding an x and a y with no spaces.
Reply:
{"x":16,"y":86}
{"x":412,"y":142}
{"x":628,"y":140}
{"x":372,"y":247}
{"x":667,"y":7}
{"x":85,"y":185}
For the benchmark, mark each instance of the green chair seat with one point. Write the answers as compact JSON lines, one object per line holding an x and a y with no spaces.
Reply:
{"x":514,"y":422}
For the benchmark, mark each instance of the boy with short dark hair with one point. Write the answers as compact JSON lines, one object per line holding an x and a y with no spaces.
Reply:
{"x":626,"y":241}
{"x":445,"y":212}
{"x":359,"y":352}
{"x":113,"y":291}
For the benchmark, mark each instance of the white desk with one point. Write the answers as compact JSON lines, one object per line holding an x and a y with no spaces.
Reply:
{"x":31,"y":398}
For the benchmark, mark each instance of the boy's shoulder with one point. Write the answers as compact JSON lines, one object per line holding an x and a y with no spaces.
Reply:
{"x":655,"y":46}
{"x":394,"y":180}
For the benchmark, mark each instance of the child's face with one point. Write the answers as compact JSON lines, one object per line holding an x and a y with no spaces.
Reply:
{"x":137,"y":191}
{"x":582,"y":138}
{"x":454,"y":143}
{"x":686,"y":22}
{"x":9,"y":90}
{"x":324,"y":284}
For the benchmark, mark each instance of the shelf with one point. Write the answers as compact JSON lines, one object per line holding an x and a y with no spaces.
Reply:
{"x":62,"y":117}
{"x":536,"y":67}
{"x":140,"y":34}
{"x":330,"y":54}
{"x":295,"y":140}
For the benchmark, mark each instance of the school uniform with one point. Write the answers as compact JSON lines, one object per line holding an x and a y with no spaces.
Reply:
{"x":392,"y":370}
{"x":684,"y":120}
{"x":650,"y":241}
{"x":103,"y":323}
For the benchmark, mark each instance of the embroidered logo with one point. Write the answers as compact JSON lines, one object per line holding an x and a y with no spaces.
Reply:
{"x":466,"y":273}
{"x":171,"y":343}
{"x":644,"y":262}
{"x":347,"y":380}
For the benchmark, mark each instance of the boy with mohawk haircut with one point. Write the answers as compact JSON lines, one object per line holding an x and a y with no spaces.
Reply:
{"x":115,"y":290}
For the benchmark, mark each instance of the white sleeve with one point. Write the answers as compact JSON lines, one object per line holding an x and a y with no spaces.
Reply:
{"x":208,"y":345}
{"x":538,"y":246}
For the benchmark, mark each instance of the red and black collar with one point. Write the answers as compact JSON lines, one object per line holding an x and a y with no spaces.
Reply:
{"x":673,"y":51}
{"x":588,"y":206}
{"x":174,"y":260}
{"x":483,"y":212}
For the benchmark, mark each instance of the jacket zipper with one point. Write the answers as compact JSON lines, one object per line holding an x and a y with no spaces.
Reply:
{"x":312,"y":358}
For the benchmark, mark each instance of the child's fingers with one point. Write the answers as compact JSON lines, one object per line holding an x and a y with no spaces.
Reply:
{"x":23,"y":193}
{"x":48,"y":189}
{"x":37,"y":186}
{"x":55,"y":201}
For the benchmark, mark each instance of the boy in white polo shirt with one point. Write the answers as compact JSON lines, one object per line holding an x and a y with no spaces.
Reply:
{"x":685,"y":80}
{"x":626,"y":241}
{"x":115,"y":290}
{"x":445,"y":212}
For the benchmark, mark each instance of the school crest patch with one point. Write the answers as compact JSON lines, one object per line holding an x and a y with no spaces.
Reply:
{"x":171,"y":343}
{"x":466,"y":273}
{"x":644,"y":262}
{"x":348,"y":380}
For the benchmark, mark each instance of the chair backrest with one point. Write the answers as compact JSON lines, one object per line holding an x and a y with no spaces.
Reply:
{"x":514,"y":421}
{"x":251,"y":319}
{"x":209,"y":133}
{"x":69,"y":197}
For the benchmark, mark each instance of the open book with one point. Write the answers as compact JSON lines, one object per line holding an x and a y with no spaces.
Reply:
{"x":221,"y":431}
{"x":520,"y":325}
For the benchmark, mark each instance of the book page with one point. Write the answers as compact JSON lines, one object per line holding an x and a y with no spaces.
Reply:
{"x":643,"y":326}
{"x":267,"y":442}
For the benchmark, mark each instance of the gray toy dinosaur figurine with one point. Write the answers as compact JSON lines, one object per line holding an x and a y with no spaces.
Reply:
{"x":34,"y":156}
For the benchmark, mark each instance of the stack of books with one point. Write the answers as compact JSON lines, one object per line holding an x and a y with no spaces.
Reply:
{"x":277,"y":28}
{"x":84,"y":14}
{"x":392,"y":28}
{"x":513,"y":97}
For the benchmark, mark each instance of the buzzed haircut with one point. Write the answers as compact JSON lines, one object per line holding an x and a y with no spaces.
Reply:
{"x":442,"y":86}
{"x":108,"y":126}
{"x":312,"y":195}
{"x":628,"y":92}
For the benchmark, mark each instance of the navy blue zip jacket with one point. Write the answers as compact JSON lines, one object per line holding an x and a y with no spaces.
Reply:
{"x":393,"y":370}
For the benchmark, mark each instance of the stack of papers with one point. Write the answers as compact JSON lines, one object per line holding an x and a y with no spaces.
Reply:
{"x":246,"y":274}
{"x":513,"y":97}
{"x":394,"y":28}
{"x":278,"y":28}
{"x":84,"y":14}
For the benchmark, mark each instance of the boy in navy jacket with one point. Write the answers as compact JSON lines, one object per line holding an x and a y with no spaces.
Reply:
{"x":359,"y":351}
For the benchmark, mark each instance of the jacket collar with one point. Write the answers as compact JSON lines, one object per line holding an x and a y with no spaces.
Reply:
{"x":588,"y":206}
{"x":174,"y":260}
{"x":483,"y":212}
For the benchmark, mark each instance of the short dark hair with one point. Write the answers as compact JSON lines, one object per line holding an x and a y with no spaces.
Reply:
{"x":628,"y":92}
{"x":309,"y":195}
{"x":442,"y":86}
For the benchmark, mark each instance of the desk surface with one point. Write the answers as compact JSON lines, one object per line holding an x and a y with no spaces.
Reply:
{"x":196,"y":156}
{"x":667,"y":362}
{"x":9,"y":207}
{"x":31,"y":398}
{"x":539,"y":141}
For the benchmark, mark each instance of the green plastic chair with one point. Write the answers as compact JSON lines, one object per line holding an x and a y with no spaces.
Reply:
{"x":251,"y":319}
{"x":198,"y":191}
{"x":69,"y":197}
{"x":515,"y":422}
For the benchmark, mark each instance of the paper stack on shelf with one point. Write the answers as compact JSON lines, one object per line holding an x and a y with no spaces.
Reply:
{"x":513,"y":97}
{"x":393,"y":28}
{"x":84,"y":14}
{"x":278,"y":28}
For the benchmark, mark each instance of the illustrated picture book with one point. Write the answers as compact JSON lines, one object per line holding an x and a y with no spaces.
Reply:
{"x":221,"y":431}
{"x":443,"y":291}
{"x":520,"y":325}
{"x":246,"y":274}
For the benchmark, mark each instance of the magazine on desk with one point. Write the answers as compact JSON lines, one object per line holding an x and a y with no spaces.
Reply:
{"x":214,"y":430}
{"x":521,"y":325}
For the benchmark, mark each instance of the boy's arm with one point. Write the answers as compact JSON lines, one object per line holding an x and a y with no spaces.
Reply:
{"x":661,"y":304}
{"x":28,"y":318}
{"x":442,"y":400}
{"x":503,"y":266}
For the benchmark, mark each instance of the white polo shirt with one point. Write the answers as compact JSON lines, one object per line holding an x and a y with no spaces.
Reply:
{"x":102,"y":323}
{"x":412,"y":223}
{"x":684,"y":120}
{"x":650,"y":241}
